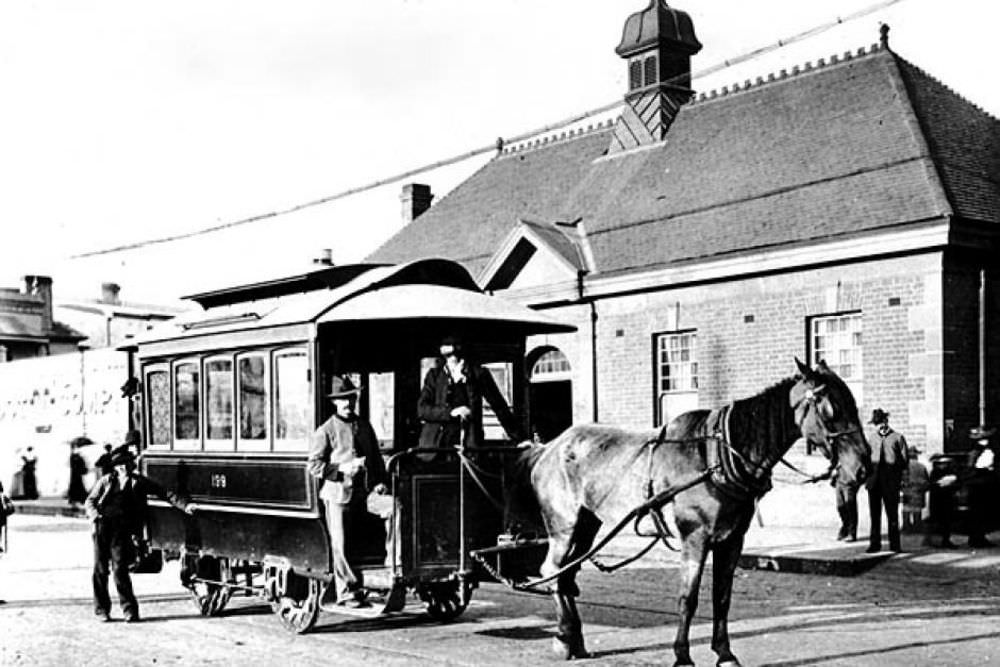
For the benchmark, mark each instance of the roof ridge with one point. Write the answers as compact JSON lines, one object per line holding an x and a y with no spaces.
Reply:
{"x":540,"y":141}
{"x":808,"y":67}
{"x":949,"y":89}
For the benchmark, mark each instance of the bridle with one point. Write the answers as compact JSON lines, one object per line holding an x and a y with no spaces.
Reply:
{"x":810,"y":398}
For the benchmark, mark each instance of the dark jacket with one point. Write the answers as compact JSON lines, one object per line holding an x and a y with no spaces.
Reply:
{"x":339,"y":441}
{"x":434,"y":410}
{"x":126,"y":507}
{"x":889,"y":459}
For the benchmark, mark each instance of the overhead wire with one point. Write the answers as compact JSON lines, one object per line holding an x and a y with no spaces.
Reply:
{"x":494,"y":146}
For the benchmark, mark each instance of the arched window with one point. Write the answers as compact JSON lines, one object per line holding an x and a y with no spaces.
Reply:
{"x":551,"y":366}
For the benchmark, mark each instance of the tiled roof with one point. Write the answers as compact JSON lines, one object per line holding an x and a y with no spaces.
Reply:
{"x":14,"y":325}
{"x":857,"y":144}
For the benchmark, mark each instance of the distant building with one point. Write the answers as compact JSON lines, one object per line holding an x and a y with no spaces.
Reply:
{"x":845,"y":210}
{"x":108,"y":321}
{"x":27,"y":327}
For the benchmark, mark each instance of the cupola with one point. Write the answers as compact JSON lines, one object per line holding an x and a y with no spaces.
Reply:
{"x":657,"y":44}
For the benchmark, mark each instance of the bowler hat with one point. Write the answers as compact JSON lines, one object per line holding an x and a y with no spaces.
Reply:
{"x":981,"y":432}
{"x":879,"y":416}
{"x":342,"y":387}
{"x":452,"y":341}
{"x":122,"y":454}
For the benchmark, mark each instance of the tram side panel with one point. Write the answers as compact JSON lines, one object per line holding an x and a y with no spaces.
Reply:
{"x":247,"y":509}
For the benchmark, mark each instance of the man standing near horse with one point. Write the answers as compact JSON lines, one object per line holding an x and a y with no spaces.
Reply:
{"x":889,"y":462}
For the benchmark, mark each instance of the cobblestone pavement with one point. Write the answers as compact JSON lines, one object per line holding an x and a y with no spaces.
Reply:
{"x":923,"y":608}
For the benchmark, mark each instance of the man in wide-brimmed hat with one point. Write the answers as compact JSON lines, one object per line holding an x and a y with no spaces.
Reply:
{"x":117,"y":507}
{"x":889,"y":462}
{"x":344,"y":455}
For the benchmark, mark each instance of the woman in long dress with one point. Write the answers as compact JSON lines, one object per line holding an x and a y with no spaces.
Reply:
{"x":77,"y":492}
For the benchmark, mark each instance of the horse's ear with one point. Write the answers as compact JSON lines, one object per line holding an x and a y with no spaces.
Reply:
{"x":821,"y":365}
{"x":804,"y":370}
{"x":663,"y":435}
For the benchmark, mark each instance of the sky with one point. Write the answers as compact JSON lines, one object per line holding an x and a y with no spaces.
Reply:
{"x":127,"y":120}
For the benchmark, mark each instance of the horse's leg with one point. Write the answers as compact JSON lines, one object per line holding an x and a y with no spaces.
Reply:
{"x":567,"y":545}
{"x":725,"y":557}
{"x":693,"y":555}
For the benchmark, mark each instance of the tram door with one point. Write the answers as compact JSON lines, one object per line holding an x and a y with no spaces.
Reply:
{"x":550,"y":395}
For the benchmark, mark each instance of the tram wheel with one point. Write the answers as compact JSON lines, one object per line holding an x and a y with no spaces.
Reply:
{"x":444,"y":600}
{"x":209,"y":598}
{"x":298,"y":608}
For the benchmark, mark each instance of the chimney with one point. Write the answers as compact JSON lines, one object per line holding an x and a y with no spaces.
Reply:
{"x":657,"y":43}
{"x":416,"y":198}
{"x":41,"y":286}
{"x":325,"y":258}
{"x":109,"y":293}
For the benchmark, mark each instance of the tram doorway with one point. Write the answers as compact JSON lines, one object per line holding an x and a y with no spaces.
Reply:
{"x":550,"y":393}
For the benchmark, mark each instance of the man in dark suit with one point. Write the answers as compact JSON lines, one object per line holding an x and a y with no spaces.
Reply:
{"x":981,"y":479}
{"x":451,"y":401}
{"x":344,"y":455}
{"x":889,"y":462}
{"x":117,"y":507}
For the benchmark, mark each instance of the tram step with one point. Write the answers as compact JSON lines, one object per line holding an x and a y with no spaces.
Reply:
{"x":392,"y":601}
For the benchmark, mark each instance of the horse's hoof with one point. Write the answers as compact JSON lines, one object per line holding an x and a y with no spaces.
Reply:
{"x":729,"y":662}
{"x":683,"y":664}
{"x":569,"y":650}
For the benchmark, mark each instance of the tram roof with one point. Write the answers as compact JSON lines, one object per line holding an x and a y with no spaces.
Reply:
{"x":421,"y":290}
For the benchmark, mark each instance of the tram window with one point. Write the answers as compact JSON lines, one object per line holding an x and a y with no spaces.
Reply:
{"x":157,"y":397}
{"x":253,"y":403}
{"x":503,"y":374}
{"x":219,"y":401}
{"x":292,"y":400}
{"x":187,"y":403}
{"x":381,"y":406}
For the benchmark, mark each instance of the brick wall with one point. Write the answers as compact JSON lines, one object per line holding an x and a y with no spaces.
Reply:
{"x":900,"y":302}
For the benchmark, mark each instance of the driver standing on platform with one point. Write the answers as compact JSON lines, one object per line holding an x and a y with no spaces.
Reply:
{"x":344,"y":454}
{"x":452,"y":401}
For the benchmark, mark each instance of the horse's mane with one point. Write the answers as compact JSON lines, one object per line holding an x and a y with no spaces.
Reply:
{"x":766,"y":420}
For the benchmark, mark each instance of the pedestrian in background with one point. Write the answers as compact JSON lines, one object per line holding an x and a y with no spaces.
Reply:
{"x":77,"y":492}
{"x":846,"y":493}
{"x":117,"y":507}
{"x":103,"y":464}
{"x":915,"y":485}
{"x":889,"y":462}
{"x":25,"y":484}
{"x":981,"y":479}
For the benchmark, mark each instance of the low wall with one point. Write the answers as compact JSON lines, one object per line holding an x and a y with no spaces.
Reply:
{"x":47,"y":401}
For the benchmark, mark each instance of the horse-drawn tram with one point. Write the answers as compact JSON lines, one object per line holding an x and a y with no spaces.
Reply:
{"x":233,"y":394}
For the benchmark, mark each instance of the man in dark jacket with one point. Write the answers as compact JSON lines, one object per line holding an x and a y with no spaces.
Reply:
{"x":117,"y":507}
{"x":344,"y":455}
{"x":451,"y":401}
{"x":889,"y":462}
{"x":981,"y":479}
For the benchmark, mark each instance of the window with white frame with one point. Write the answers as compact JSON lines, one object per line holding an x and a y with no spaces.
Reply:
{"x":836,"y":339}
{"x":676,"y":369}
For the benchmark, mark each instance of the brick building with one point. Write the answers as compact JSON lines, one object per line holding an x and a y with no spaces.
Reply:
{"x":27,"y":327}
{"x":847,"y":210}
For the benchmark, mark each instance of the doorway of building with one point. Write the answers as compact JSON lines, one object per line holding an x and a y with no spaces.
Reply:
{"x":550,"y":393}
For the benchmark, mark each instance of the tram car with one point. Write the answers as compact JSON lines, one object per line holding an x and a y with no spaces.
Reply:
{"x":232,"y":394}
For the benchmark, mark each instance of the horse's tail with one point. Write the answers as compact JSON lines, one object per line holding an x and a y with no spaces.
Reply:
{"x":523,"y":513}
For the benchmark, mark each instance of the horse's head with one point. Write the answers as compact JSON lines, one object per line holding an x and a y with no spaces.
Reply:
{"x":827,"y":416}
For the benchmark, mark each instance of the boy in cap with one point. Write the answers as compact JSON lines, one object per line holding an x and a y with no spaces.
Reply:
{"x":915,"y":485}
{"x":889,"y":462}
{"x":344,"y":455}
{"x":117,"y":507}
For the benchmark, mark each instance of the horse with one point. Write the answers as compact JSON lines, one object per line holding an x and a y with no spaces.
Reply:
{"x":720,"y":462}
